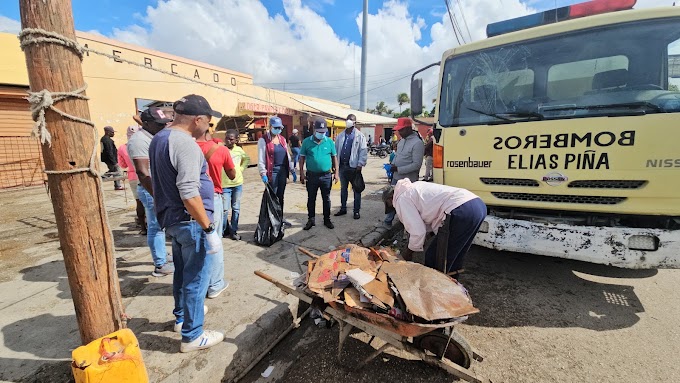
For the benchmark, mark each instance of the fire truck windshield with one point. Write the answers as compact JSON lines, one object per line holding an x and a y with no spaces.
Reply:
{"x":623,"y":69}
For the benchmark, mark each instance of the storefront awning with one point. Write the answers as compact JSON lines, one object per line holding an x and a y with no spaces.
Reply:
{"x":341,"y":113}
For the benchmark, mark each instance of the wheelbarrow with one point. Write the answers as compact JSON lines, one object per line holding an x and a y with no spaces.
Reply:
{"x":435,"y":344}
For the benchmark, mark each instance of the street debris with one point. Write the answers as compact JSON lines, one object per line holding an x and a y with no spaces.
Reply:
{"x":268,"y":372}
{"x":380,"y":281}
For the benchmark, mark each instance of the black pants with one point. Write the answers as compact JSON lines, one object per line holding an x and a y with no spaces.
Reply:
{"x":316,"y":181}
{"x":278,"y":182}
{"x":113,"y":168}
{"x":463,"y":221}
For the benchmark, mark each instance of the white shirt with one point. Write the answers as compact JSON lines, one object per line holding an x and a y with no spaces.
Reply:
{"x":422,"y":207}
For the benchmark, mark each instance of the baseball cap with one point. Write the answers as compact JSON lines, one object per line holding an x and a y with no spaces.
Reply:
{"x":295,"y":131}
{"x":403,"y":122}
{"x":275,"y":122}
{"x":320,"y":125}
{"x":109,"y":129}
{"x":153,"y":114}
{"x":194,"y":105}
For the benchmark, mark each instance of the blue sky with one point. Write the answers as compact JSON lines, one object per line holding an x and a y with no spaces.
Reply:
{"x":105,"y":15}
{"x":291,"y":41}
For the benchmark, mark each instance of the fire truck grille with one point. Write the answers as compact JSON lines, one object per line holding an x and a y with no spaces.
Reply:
{"x":556,"y":198}
{"x":607,"y":184}
{"x":509,"y":181}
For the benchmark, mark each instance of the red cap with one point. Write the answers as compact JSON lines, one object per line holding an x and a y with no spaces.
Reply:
{"x":403,"y":122}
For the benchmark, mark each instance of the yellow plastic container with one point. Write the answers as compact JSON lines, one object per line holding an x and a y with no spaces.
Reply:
{"x":115,"y":358}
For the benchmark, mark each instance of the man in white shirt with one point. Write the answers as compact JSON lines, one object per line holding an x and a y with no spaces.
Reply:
{"x":453,"y":214}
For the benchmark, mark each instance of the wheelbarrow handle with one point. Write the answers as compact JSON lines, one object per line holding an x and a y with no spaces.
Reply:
{"x":284,"y":287}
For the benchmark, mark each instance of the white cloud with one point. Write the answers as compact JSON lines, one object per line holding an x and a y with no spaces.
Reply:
{"x":9,"y":25}
{"x":301,"y":46}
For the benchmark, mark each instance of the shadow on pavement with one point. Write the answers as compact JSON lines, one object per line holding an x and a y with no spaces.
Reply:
{"x":535,"y":291}
{"x":35,"y":336}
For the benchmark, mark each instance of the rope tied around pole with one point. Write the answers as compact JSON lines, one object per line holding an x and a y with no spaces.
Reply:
{"x":34,"y":36}
{"x":44,"y":99}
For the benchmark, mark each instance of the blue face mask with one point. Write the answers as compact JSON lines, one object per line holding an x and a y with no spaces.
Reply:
{"x":319,"y":136}
{"x":275,"y":131}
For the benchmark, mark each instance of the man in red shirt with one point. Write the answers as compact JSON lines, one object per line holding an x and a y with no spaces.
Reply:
{"x":218,"y":157}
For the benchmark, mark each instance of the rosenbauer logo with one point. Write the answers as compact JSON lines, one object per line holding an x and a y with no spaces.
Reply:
{"x":554,"y":179}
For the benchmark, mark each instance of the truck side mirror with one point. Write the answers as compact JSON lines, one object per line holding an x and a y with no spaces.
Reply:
{"x":416,"y":97}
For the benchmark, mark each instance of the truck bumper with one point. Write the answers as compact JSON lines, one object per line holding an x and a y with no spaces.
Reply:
{"x":604,"y":245}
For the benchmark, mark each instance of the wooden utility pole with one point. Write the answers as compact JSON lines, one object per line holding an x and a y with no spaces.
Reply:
{"x":84,"y":232}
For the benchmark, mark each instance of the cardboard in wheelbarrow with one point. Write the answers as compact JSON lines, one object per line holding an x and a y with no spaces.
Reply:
{"x":427,"y":293}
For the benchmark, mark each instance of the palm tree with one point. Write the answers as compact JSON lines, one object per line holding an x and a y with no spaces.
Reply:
{"x":402,"y":98}
{"x":381,"y":108}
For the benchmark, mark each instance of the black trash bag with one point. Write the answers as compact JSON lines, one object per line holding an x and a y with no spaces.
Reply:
{"x":358,"y":182}
{"x":270,"y":224}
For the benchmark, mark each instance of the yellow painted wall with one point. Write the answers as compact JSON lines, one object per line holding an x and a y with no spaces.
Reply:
{"x":113,"y":86}
{"x":13,"y":62}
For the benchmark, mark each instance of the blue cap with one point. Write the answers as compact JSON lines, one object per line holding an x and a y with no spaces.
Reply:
{"x":320,"y":125}
{"x":275,"y":122}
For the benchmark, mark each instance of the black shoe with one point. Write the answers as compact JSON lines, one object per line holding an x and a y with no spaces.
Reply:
{"x":309,"y":224}
{"x":357,"y":215}
{"x":328,"y":223}
{"x":235,"y":237}
{"x":341,"y":212}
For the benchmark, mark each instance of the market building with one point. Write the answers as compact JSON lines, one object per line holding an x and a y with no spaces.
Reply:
{"x":118,"y":90}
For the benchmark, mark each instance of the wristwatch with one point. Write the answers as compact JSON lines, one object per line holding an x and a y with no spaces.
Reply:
{"x":210,"y":228}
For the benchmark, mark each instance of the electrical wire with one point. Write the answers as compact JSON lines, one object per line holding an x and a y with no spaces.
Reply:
{"x":316,"y":81}
{"x":377,"y":87}
{"x":460,"y":6}
{"x":453,"y":25}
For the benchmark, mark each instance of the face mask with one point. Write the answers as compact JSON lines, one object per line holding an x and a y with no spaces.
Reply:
{"x":349,"y":124}
{"x":275,"y":131}
{"x":319,"y":136}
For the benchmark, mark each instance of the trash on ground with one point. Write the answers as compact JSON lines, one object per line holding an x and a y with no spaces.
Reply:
{"x":268,"y":372}
{"x":379,"y":280}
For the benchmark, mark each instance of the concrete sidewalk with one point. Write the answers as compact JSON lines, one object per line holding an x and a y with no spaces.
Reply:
{"x":37,"y":319}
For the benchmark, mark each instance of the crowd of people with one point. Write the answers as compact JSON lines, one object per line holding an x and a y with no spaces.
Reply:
{"x":188,"y":187}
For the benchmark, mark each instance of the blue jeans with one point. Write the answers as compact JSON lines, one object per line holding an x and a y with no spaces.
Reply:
{"x":155,"y":236}
{"x":216,"y":261}
{"x":190,"y":281}
{"x":314,"y":183}
{"x":296,"y":157}
{"x":347,"y":174}
{"x":232,"y":201}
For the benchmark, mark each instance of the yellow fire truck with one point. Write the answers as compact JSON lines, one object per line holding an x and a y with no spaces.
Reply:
{"x":567,"y":124}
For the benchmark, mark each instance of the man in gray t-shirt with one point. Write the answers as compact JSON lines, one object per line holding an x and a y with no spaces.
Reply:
{"x":183,"y":194}
{"x":153,"y":121}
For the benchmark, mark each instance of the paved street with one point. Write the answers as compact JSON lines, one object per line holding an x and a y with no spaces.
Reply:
{"x":541,"y":319}
{"x":37,"y":322}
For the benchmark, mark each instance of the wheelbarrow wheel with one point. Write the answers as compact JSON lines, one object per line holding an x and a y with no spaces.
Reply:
{"x":458,"y":352}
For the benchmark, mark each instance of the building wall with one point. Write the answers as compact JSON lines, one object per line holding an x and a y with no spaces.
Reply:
{"x":114,"y":86}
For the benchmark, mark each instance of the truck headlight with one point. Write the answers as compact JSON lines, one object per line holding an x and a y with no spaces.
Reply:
{"x":643,"y":242}
{"x":484,"y":227}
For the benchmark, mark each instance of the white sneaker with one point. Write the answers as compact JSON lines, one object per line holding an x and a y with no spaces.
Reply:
{"x":178,"y":326}
{"x":208,"y":339}
{"x":218,"y":292}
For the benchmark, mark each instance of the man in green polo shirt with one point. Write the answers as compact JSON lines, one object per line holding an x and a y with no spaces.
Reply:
{"x":318,"y":153}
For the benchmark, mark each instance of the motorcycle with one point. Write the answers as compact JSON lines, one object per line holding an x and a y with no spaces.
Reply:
{"x":381,"y":151}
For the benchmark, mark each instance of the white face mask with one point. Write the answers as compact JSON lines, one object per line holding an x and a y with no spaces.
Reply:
{"x":349,"y":123}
